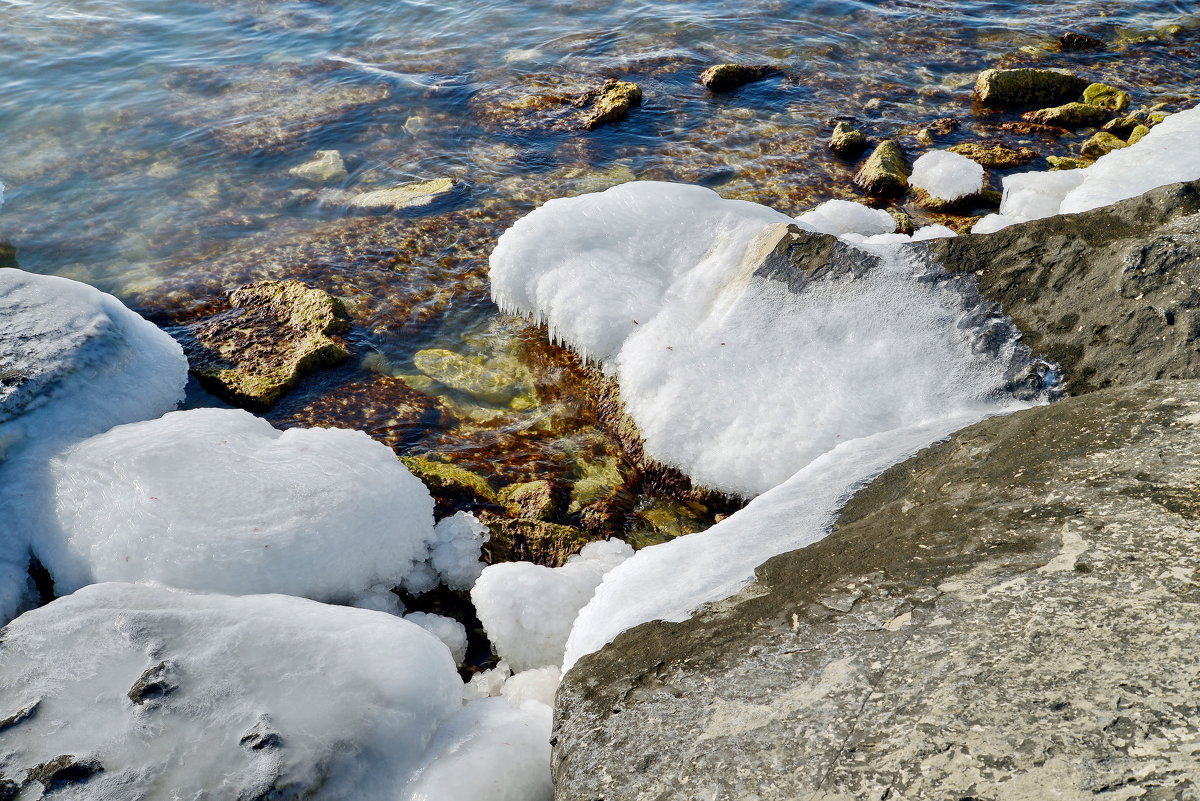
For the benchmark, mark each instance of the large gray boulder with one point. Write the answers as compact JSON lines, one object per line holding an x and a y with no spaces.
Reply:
{"x":1011,"y":614}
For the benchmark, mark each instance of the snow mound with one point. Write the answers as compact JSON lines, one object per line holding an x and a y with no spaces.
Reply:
{"x":217,"y":500}
{"x":452,"y":633}
{"x":729,"y":375}
{"x":946,"y":175}
{"x":181,"y":695}
{"x":528,"y":609}
{"x":1168,"y":154}
{"x":840,"y":217}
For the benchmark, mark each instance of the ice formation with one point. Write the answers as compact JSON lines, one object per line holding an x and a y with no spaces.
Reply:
{"x":731,"y":377}
{"x":946,"y":175}
{"x":839,"y":217}
{"x":1166,"y":155}
{"x":75,"y":362}
{"x":528,"y":609}
{"x":184,"y":695}
{"x":452,"y":633}
{"x":218,"y":500}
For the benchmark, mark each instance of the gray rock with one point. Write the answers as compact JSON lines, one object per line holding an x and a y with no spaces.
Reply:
{"x":1111,"y":295}
{"x":1011,"y":614}
{"x":63,"y":770}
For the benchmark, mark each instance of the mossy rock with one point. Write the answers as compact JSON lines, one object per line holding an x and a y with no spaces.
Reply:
{"x":274,"y":333}
{"x":1071,"y":115}
{"x":612,"y":103}
{"x":467,"y":375}
{"x":904,"y":221}
{"x":1100,"y":144}
{"x":1122,"y":127}
{"x":942,"y":206}
{"x":1105,"y":96}
{"x":8,"y":255}
{"x":1067,"y":163}
{"x":995,"y":156}
{"x":1017,"y":88}
{"x":537,"y":541}
{"x":846,"y":141}
{"x":409,"y":196}
{"x":885,"y":172}
{"x":446,"y":480}
{"x":532,"y":500}
{"x":1137,"y":133}
{"x":727,"y":77}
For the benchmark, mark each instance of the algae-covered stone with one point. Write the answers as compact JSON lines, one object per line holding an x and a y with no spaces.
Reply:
{"x":941,"y":205}
{"x":1100,"y":144}
{"x":531,"y":500}
{"x":595,"y":480}
{"x":1079,"y":41}
{"x":904,"y":221}
{"x":1070,"y":115}
{"x":847,"y":142}
{"x":1027,"y":87}
{"x":446,"y":480}
{"x":273,"y":334}
{"x":727,"y":77}
{"x":1122,"y":127}
{"x":1155,"y":117}
{"x":612,"y":103}
{"x":1137,"y":133}
{"x":8,"y":254}
{"x":408,"y":196}
{"x":1109,"y":97}
{"x":467,"y":375}
{"x":886,"y":171}
{"x":325,"y":167}
{"x":1067,"y":163}
{"x":536,"y":541}
{"x":994,"y":155}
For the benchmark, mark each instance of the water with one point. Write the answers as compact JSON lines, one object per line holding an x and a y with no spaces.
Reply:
{"x":146,"y":147}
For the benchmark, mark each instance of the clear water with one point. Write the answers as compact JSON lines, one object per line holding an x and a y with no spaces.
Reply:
{"x":145,"y":145}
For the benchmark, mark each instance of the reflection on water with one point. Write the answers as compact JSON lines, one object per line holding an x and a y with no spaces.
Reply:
{"x":146,"y":147}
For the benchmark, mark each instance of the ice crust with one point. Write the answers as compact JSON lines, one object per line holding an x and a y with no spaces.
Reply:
{"x":839,"y":217}
{"x":946,"y":175}
{"x":528,"y":609}
{"x":1170,"y":153}
{"x":730,"y":377}
{"x":452,"y":633}
{"x":217,"y":500}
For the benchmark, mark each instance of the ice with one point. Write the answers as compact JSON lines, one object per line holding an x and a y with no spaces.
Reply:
{"x":729,"y":376}
{"x":840,"y":217}
{"x":218,"y":500}
{"x":539,"y":684}
{"x":489,"y":750}
{"x":454,"y":552}
{"x":452,"y":633}
{"x":528,"y":609}
{"x":946,"y":175}
{"x":1170,"y":153}
{"x":244,"y":696}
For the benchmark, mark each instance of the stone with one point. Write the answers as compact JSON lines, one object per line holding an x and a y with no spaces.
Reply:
{"x":1010,"y":614}
{"x":612,"y":103}
{"x":23,"y":714}
{"x":994,"y":155}
{"x":62,"y":771}
{"x":1100,"y":144}
{"x":885,"y":172}
{"x":1079,"y":41}
{"x":1027,"y":88}
{"x":1071,"y":115}
{"x":445,"y":480}
{"x":1105,"y":96}
{"x":904,"y":221}
{"x":1136,"y":134}
{"x":407,"y":197}
{"x":727,"y":77}
{"x":1111,"y":295}
{"x":942,"y":206}
{"x":846,"y":141}
{"x":532,"y":500}
{"x":1123,"y":126}
{"x":537,"y":541}
{"x":1067,"y":163}
{"x":468,"y":375}
{"x":326,"y":167}
{"x":272,"y":335}
{"x":8,"y":255}
{"x":1033,"y":129}
{"x":156,"y":682}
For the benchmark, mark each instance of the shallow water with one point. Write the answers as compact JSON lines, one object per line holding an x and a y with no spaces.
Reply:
{"x":146,"y":147}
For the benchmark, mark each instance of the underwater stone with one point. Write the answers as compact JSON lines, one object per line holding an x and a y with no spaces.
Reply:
{"x":1079,"y":41}
{"x":323,"y":168}
{"x":1026,"y":87}
{"x":846,"y":141}
{"x":446,"y":480}
{"x":1105,"y":96}
{"x":273,"y":334}
{"x":612,"y":103}
{"x":727,"y":77}
{"x":466,"y":375}
{"x":408,"y":196}
{"x":886,"y":171}
{"x":1071,"y":115}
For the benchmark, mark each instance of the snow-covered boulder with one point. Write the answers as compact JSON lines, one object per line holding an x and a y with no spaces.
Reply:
{"x":947,"y":176}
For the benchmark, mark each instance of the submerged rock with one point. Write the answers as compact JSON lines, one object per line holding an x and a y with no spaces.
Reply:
{"x":999,"y":88}
{"x":1079,"y":41}
{"x":612,"y":103}
{"x":448,"y":481}
{"x":885,"y":171}
{"x":532,"y":500}
{"x":1105,"y":96}
{"x":727,"y":77}
{"x":467,"y":375}
{"x":847,"y":142}
{"x":273,"y":334}
{"x":1100,"y":144}
{"x":994,"y":155}
{"x":1071,"y":115}
{"x":325,"y":167}
{"x":937,"y":641}
{"x":8,"y":255}
{"x":408,"y":196}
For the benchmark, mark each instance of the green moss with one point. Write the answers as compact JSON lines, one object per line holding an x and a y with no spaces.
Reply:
{"x":447,"y":480}
{"x":727,"y":77}
{"x":1137,"y":133}
{"x":994,"y":156}
{"x":1067,"y":162}
{"x":1100,"y":144}
{"x":1070,"y":115}
{"x":885,"y":172}
{"x":612,"y":103}
{"x":1105,"y":96}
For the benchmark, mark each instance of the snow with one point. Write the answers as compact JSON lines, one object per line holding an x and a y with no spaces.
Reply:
{"x":218,"y":500}
{"x":539,"y":684}
{"x":355,"y":698}
{"x":454,"y":552}
{"x":1166,"y":155}
{"x":723,"y":368}
{"x":946,"y":175}
{"x":528,"y":609}
{"x":452,"y":633}
{"x":840,"y":217}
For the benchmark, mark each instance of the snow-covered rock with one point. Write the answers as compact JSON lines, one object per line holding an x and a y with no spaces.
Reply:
{"x":217,"y":500}
{"x":528,"y":609}
{"x":947,"y":176}
{"x":839,"y":217}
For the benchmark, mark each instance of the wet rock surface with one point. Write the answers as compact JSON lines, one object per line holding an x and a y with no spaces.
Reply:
{"x":1009,"y":614}
{"x":885,"y":172}
{"x":727,"y":77}
{"x":1012,"y":88}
